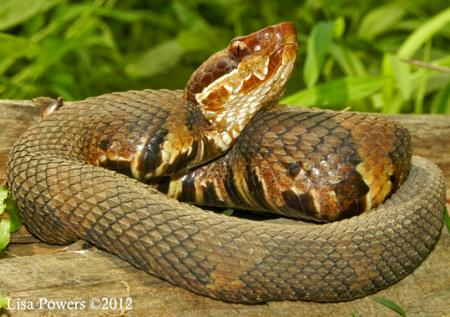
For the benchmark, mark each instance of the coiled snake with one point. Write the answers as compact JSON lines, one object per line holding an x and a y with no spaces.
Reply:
{"x":313,"y":164}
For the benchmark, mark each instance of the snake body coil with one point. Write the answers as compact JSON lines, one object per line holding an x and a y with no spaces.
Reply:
{"x":56,"y":173}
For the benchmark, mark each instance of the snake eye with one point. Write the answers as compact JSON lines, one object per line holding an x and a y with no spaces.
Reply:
{"x":238,"y":49}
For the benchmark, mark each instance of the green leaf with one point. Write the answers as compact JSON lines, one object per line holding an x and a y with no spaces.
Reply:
{"x":423,"y":34}
{"x":13,"y":212}
{"x":156,"y":60}
{"x":5,"y":231}
{"x":3,"y":196}
{"x":13,"y":12}
{"x":402,"y":73}
{"x":319,"y":42}
{"x":337,"y":92}
{"x":339,"y":28}
{"x":14,"y":46}
{"x":9,"y":207}
{"x":447,"y":219}
{"x":228,"y":212}
{"x":3,"y":301}
{"x":380,"y":20}
{"x":391,"y":305}
{"x":422,"y":80}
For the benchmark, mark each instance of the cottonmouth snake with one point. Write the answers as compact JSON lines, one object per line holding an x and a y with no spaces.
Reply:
{"x":301,"y":163}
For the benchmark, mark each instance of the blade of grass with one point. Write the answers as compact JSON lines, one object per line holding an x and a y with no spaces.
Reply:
{"x":420,"y":95}
{"x":380,"y":20}
{"x":391,"y":305}
{"x":402,"y":73}
{"x":388,"y":88}
{"x":423,"y":34}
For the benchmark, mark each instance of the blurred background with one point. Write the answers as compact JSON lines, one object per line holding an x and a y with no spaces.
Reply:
{"x":381,"y":56}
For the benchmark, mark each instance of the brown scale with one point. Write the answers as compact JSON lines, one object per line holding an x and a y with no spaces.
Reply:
{"x":217,"y":65}
{"x":148,"y":134}
{"x":301,"y":163}
{"x":139,"y":147}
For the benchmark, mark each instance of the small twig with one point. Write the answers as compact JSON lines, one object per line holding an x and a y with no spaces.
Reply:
{"x":437,"y":68}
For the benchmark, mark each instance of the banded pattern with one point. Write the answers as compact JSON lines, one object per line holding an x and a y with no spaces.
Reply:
{"x":302,"y":163}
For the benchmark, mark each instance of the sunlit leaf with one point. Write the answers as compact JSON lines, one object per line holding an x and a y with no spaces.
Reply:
{"x":423,"y":34}
{"x":5,"y":232}
{"x":319,"y":42}
{"x":156,"y":60}
{"x":388,"y":88}
{"x":339,"y":28}
{"x":338,"y":92}
{"x":380,"y":20}
{"x":4,"y":220}
{"x":13,"y":12}
{"x":3,"y":301}
{"x":402,"y":73}
{"x":391,"y":305}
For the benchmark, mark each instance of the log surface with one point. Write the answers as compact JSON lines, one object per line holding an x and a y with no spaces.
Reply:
{"x":33,"y":272}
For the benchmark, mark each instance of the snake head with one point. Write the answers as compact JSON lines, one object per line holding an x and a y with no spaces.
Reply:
{"x":233,"y":84}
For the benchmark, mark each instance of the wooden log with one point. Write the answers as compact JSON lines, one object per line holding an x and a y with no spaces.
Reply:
{"x":31,"y":271}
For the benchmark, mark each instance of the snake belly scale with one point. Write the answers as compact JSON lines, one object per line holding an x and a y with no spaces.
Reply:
{"x":224,"y":141}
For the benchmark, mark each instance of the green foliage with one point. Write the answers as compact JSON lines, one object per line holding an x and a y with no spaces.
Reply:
{"x":3,"y":302}
{"x":358,"y":54}
{"x":9,"y":217}
{"x":319,"y":43}
{"x":228,"y":212}
{"x":391,"y":305}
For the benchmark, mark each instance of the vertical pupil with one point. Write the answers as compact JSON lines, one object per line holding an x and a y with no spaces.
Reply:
{"x":239,"y":49}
